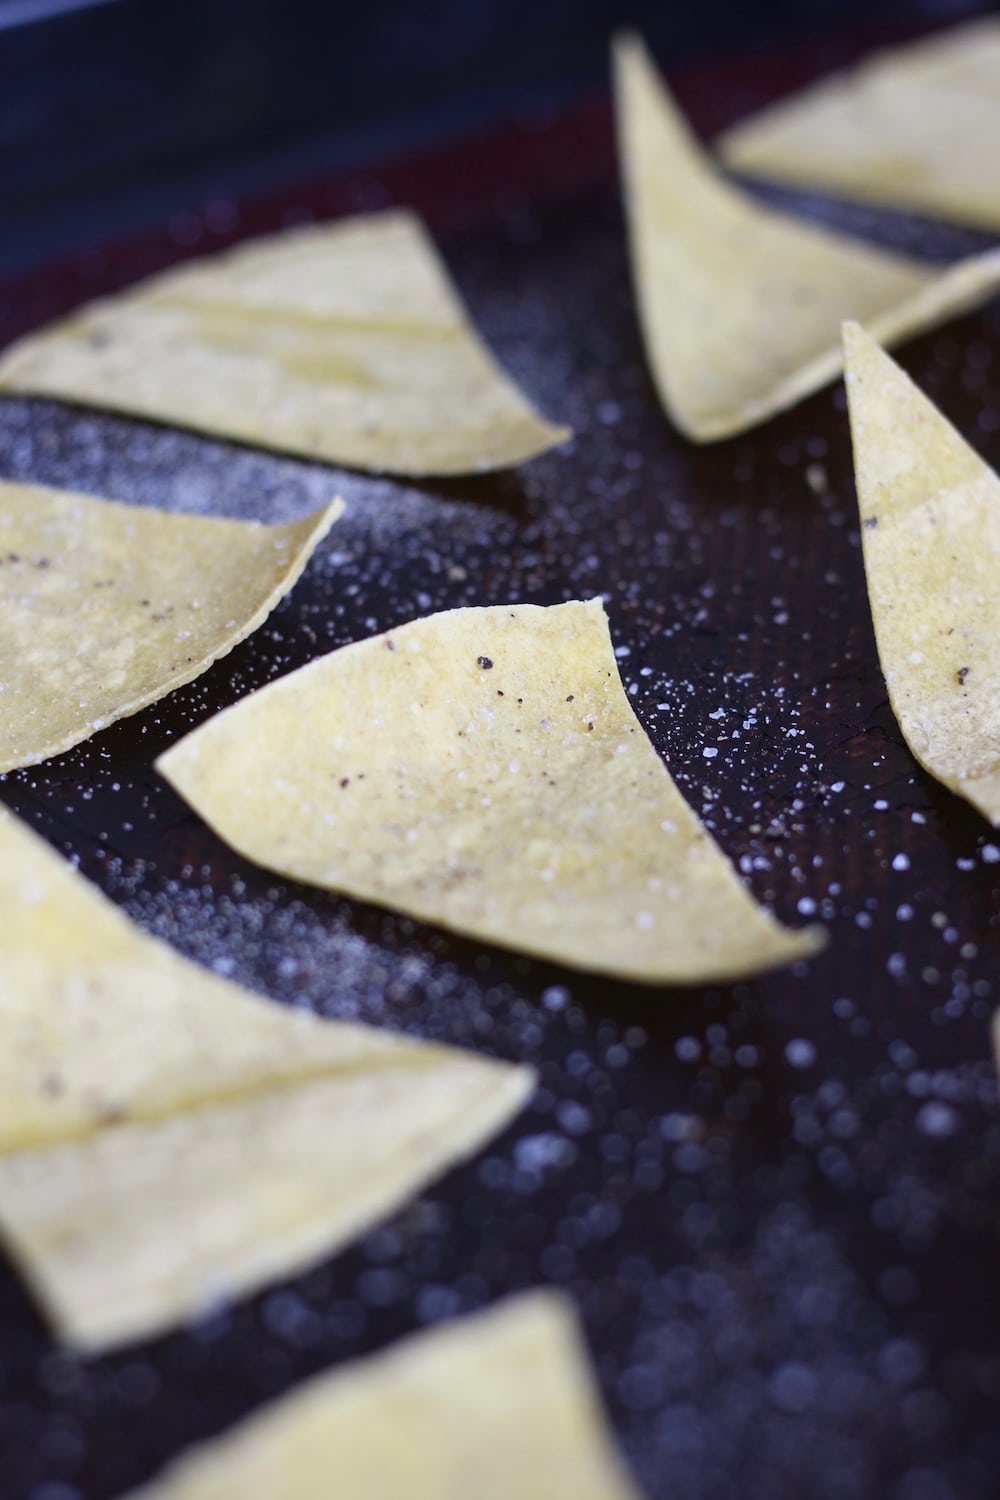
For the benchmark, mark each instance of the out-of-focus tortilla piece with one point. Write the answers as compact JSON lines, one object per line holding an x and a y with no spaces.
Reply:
{"x":345,"y":343}
{"x":167,"y":1138}
{"x":496,"y":1405}
{"x":913,"y":128}
{"x":105,"y":608}
{"x":482,"y":769}
{"x":930,"y":527}
{"x":740,"y":305}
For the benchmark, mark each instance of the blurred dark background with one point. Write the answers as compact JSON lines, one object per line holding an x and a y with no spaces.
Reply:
{"x":116,"y":113}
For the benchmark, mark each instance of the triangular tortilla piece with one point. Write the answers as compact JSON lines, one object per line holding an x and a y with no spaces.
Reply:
{"x":345,"y":343}
{"x":930,"y":514}
{"x":482,"y":769}
{"x":105,"y":608}
{"x":499,"y":1405}
{"x":913,"y":128}
{"x":741,"y":306}
{"x":167,"y":1138}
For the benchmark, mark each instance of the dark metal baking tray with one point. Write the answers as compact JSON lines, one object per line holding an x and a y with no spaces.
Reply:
{"x":774,"y":1203}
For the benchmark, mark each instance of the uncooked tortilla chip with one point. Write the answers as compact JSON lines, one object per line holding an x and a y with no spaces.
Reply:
{"x":498,"y":1406}
{"x":912,"y":128}
{"x":930,"y":513}
{"x":741,"y":306}
{"x":105,"y":608}
{"x":483,"y":769}
{"x":167,"y":1138}
{"x":345,"y":343}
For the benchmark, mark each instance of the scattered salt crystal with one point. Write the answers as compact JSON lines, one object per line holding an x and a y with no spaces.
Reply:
{"x":937,"y":1119}
{"x":800,"y":1052}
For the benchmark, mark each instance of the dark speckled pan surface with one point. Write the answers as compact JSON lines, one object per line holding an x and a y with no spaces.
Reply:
{"x":777,"y":1205}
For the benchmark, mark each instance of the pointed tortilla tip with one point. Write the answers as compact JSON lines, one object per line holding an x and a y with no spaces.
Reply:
{"x":628,"y":47}
{"x":853,"y":336}
{"x":862,"y":352}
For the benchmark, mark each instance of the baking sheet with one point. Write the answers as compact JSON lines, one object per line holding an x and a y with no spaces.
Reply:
{"x":776,"y":1203}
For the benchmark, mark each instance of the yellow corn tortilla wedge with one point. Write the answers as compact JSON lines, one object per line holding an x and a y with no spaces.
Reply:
{"x":167,"y":1138}
{"x":930,"y":514}
{"x":912,"y":128}
{"x":741,"y":306}
{"x":105,"y":608}
{"x":497,"y":1405}
{"x":345,"y":343}
{"x":482,"y":769}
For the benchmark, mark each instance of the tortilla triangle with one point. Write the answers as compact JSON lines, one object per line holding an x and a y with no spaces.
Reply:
{"x":498,"y":1404}
{"x":912,"y":128}
{"x":345,"y":342}
{"x":105,"y":608}
{"x":740,"y":305}
{"x":167,"y":1138}
{"x":483,"y":769}
{"x":930,"y":527}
